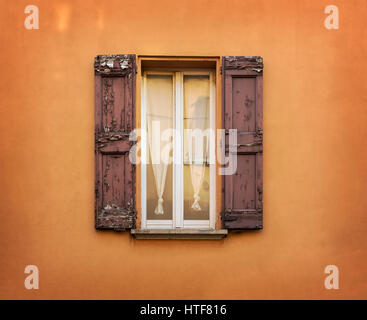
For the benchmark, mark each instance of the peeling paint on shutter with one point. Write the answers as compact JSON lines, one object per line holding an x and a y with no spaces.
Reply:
{"x":243,"y":110}
{"x":114,"y":120}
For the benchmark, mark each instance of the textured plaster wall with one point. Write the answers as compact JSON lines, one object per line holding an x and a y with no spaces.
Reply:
{"x":315,"y":177}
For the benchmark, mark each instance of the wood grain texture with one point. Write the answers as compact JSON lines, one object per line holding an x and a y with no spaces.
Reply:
{"x":243,"y":110}
{"x":114,"y":120}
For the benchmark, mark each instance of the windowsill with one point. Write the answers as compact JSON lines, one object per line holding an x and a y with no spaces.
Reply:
{"x":179,"y":234}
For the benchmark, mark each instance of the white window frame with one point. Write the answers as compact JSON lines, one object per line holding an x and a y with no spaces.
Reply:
{"x":178,"y":221}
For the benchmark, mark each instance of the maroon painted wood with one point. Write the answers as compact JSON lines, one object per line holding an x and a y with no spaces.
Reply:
{"x":114,"y":119}
{"x":243,"y":110}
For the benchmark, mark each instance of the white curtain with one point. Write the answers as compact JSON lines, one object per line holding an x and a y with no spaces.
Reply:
{"x":158,"y":157}
{"x":159,"y":118}
{"x":197,"y":119}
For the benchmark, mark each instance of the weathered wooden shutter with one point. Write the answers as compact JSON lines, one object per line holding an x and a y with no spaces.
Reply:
{"x":114,"y":120}
{"x":243,"y":110}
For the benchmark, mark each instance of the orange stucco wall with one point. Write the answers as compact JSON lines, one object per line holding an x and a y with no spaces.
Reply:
{"x":315,"y":177}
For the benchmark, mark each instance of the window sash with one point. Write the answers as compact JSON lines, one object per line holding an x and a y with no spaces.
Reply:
{"x":178,"y":166}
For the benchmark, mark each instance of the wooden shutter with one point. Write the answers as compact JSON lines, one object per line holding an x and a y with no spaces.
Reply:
{"x":114,"y":120}
{"x":243,"y":110}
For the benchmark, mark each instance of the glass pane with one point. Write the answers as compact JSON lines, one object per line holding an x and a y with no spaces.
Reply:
{"x":159,"y":96}
{"x":196,"y":152}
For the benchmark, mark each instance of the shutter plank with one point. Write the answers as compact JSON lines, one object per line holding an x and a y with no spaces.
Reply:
{"x":242,"y":98}
{"x":114,"y":119}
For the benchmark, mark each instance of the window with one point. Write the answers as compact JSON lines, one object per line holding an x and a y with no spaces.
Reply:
{"x":178,"y":180}
{"x":207,"y":188}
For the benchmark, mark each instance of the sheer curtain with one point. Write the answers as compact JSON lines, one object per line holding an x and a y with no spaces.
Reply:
{"x":159,"y":119}
{"x":197,"y":121}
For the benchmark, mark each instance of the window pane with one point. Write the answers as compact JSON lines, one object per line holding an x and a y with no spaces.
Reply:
{"x":196,"y":151}
{"x":159,"y":96}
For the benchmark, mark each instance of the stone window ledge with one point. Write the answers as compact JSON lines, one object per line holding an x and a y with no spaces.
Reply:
{"x":179,"y":234}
